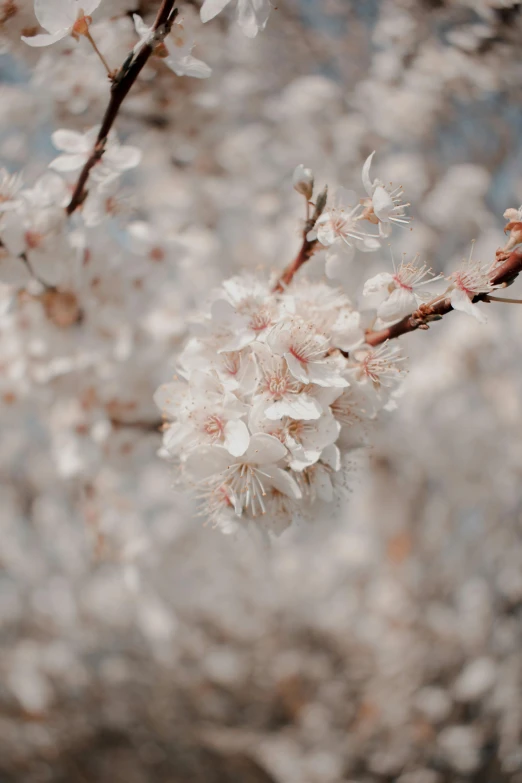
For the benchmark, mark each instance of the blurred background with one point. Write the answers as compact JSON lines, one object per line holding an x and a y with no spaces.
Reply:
{"x":383,"y":641}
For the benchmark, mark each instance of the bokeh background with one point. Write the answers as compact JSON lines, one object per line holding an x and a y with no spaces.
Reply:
{"x":383,"y":641}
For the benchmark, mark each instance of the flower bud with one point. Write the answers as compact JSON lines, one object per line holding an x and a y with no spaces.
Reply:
{"x":303,"y":181}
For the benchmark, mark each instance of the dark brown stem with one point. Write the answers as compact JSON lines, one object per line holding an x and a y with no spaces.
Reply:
{"x":505,"y":273}
{"x":120,"y":87}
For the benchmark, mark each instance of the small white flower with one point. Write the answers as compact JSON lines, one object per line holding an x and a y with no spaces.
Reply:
{"x":402,"y":292}
{"x":384,"y":205}
{"x":471,"y":279}
{"x":204,"y":413}
{"x":175,"y":50}
{"x":247,"y":478}
{"x":252,"y":15}
{"x":61,"y":18}
{"x":339,"y":225}
{"x":380,"y":366}
{"x":306,"y":353}
{"x":282,"y":394}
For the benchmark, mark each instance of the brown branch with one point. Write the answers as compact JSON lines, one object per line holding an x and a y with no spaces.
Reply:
{"x":306,"y":251}
{"x":308,"y":247}
{"x":504,"y":275}
{"x":120,"y":87}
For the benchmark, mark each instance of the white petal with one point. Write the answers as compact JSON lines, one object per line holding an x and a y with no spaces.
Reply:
{"x":325,"y":374}
{"x":55,"y":15}
{"x":211,"y":8}
{"x":249,"y":19}
{"x":264,"y":449}
{"x":331,"y":456}
{"x":461,"y":301}
{"x":284,"y":482}
{"x":401,"y":302}
{"x":296,"y":368}
{"x":382,"y":203}
{"x":368,"y":185}
{"x":70,"y":141}
{"x":347,"y":332}
{"x":122,"y":158}
{"x":141,"y":28}
{"x":48,"y":265}
{"x":45,"y":40}
{"x":188,"y":66}
{"x":377,"y":284}
{"x":324,"y":229}
{"x":68,"y":162}
{"x":368,"y":244}
{"x":322,"y":484}
{"x":13,"y":271}
{"x":237,"y":437}
{"x":295,"y":406}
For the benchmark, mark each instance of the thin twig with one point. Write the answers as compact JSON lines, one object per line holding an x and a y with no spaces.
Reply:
{"x":489,"y":298}
{"x":120,"y":87}
{"x":100,"y":55}
{"x":505,"y":274}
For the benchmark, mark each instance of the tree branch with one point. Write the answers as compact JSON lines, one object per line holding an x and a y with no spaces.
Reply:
{"x":120,"y":87}
{"x":504,"y":275}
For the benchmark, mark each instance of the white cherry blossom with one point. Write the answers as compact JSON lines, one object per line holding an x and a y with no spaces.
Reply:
{"x":307,"y":353}
{"x":384,"y":205}
{"x":204,"y":413}
{"x":402,"y":292}
{"x":471,"y":279}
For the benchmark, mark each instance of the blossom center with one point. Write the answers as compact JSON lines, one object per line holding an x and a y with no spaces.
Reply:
{"x":81,"y":26}
{"x":277,"y":385}
{"x":260,"y":320}
{"x":401,"y":283}
{"x":33,"y":239}
{"x":214,"y":426}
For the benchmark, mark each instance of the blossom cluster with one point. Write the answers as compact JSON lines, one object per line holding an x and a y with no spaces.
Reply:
{"x":273,"y":393}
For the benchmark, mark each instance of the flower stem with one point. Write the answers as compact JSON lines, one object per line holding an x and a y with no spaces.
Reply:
{"x":100,"y":55}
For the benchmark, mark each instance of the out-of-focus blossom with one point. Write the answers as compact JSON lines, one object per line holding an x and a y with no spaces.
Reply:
{"x":76,"y":148}
{"x":175,"y":50}
{"x":252,"y":15}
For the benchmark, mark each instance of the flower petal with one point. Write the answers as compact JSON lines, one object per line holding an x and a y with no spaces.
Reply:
{"x":43,"y":39}
{"x":13,"y":271}
{"x":55,"y":15}
{"x":295,"y":406}
{"x":70,"y":141}
{"x":237,"y":437}
{"x":284,"y":482}
{"x":461,"y":301}
{"x":264,"y":449}
{"x":368,"y":185}
{"x":67,"y":162}
{"x":212,"y":8}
